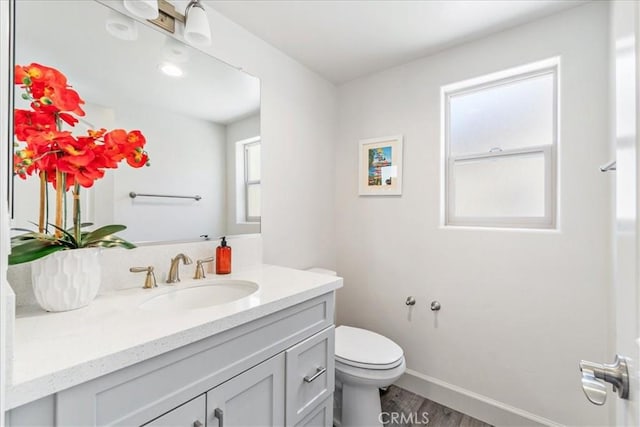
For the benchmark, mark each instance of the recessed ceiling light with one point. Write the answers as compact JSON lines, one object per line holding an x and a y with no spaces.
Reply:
{"x":171,"y":69}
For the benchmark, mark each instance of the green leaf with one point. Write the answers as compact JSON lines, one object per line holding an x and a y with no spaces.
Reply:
{"x":22,"y":229}
{"x":23,"y":237}
{"x":33,"y":235}
{"x":33,"y":250}
{"x":101,"y":233}
{"x":70,"y":240}
{"x":112,"y":242}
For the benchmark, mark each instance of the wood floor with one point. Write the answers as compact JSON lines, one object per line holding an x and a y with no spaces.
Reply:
{"x":401,"y":408}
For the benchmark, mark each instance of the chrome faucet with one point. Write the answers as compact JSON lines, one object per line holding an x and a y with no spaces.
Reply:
{"x":174,"y":274}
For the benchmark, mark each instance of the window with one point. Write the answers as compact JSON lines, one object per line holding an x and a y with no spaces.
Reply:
{"x":500,"y":137}
{"x":250,"y":199}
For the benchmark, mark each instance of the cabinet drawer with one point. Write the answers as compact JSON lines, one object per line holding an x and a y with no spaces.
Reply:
{"x":310,"y":374}
{"x":191,"y":414}
{"x":320,"y":416}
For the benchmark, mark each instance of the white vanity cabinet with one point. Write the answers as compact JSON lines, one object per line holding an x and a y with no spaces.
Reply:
{"x":276,"y":370}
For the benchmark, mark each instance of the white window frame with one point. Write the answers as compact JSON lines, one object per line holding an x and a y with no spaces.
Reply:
{"x":549,"y":151}
{"x":247,"y":181}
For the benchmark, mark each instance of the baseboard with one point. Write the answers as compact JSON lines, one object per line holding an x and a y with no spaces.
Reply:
{"x":473,"y":404}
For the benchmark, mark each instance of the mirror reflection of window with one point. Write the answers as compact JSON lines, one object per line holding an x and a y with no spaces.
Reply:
{"x":247,"y":192}
{"x":252,"y":193}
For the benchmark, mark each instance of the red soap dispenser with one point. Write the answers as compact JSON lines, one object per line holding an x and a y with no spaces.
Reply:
{"x":223,"y":258}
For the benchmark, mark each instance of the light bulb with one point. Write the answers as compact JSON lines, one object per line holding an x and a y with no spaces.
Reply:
{"x":196,"y":30}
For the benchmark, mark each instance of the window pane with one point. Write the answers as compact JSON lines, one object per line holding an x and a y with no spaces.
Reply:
{"x":511,"y":115}
{"x":505,"y":186}
{"x":253,"y":200}
{"x":253,"y":162}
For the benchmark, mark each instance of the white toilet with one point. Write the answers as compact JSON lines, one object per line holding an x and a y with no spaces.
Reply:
{"x":365,"y":362}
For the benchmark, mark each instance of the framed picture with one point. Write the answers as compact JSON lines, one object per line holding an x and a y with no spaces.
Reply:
{"x":380,"y":166}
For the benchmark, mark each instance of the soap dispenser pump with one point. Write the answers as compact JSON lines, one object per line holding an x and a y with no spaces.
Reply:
{"x":223,"y":258}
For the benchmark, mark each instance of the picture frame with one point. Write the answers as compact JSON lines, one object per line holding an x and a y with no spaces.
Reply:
{"x":380,"y":166}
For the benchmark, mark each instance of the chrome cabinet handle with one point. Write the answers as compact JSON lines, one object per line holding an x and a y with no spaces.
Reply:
{"x":319,"y":372}
{"x":594,"y":376}
{"x":217,"y":413}
{"x":197,"y":423}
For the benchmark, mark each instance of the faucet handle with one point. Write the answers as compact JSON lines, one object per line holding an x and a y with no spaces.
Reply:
{"x":199,"y":269}
{"x":150,"y":280}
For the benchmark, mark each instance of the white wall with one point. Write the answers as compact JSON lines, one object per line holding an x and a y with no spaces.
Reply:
{"x":187,"y":157}
{"x":240,"y":130}
{"x":519,"y":308}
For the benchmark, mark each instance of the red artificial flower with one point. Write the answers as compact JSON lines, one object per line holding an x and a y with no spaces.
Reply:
{"x":68,"y":119}
{"x":28,"y":122}
{"x":137,"y":159}
{"x":49,"y":150}
{"x":83,"y":175}
{"x":48,"y":87}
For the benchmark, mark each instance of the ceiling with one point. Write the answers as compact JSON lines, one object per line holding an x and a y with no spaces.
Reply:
{"x":343,"y":40}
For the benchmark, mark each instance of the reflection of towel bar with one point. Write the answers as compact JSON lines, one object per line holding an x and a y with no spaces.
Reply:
{"x":133,"y":195}
{"x":611,"y":166}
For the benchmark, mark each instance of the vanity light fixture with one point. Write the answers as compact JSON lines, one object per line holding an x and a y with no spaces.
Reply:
{"x":147,"y":9}
{"x":196,"y":30}
{"x":121,"y":26}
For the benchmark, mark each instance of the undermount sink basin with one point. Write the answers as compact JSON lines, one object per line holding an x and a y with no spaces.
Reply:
{"x":201,"y":296}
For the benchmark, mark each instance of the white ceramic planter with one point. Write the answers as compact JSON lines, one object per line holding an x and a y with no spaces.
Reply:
{"x":66,"y":280}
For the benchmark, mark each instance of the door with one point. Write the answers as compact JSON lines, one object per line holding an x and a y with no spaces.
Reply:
{"x":626,"y":243}
{"x":253,"y":398}
{"x":624,"y":19}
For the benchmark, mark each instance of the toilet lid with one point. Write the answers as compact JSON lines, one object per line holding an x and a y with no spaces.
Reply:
{"x":364,"y":347}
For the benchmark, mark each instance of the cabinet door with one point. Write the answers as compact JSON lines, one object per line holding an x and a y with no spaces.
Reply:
{"x":253,"y":398}
{"x":310,"y":374}
{"x":321,"y":416}
{"x":190,"y":414}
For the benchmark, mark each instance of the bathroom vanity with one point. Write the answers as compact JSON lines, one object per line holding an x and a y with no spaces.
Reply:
{"x":265,"y":359}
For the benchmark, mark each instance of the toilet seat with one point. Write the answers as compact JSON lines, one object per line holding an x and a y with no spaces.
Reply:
{"x":365,"y":349}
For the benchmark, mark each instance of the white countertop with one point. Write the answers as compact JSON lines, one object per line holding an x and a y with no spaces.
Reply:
{"x":55,"y":351}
